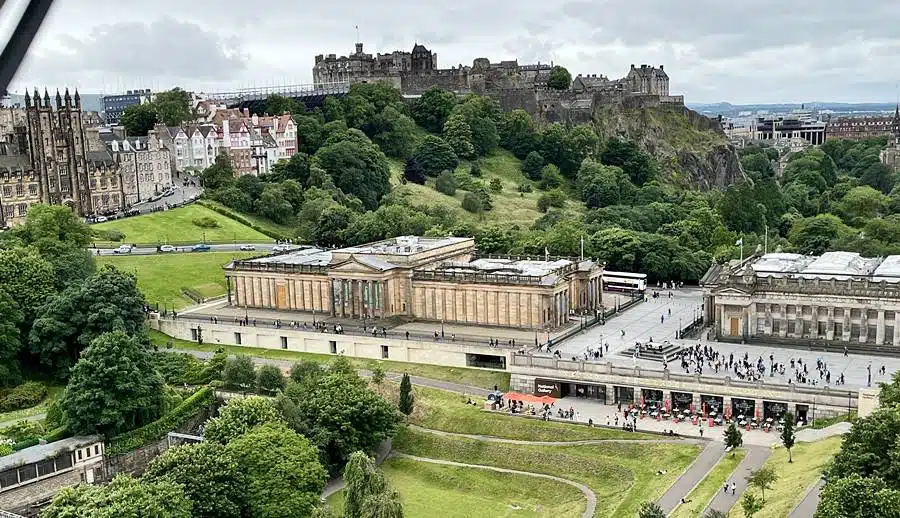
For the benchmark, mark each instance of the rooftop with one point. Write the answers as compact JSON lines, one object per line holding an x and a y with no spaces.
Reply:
{"x":46,"y":451}
{"x":403,"y":245}
{"x":548,"y":271}
{"x":830,"y":265}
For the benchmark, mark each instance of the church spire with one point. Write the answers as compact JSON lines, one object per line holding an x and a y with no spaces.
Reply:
{"x":77,"y":99}
{"x":59,"y":103}
{"x":27,"y":99}
{"x":46,"y":98}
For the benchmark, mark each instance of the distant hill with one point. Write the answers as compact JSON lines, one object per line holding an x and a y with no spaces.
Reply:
{"x":89,"y":102}
{"x":727,"y":109}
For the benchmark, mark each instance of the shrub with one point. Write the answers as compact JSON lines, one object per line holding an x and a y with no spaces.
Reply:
{"x":446,"y":183}
{"x":57,"y":434}
{"x":25,"y":395}
{"x":239,"y":372}
{"x":242,"y":220}
{"x":270,"y":379}
{"x":475,"y":169}
{"x":27,"y":443}
{"x":496,"y":185}
{"x":22,"y":431}
{"x":554,"y":198}
{"x":525,"y":187}
{"x":179,"y":415}
{"x":551,"y":178}
{"x":55,"y":416}
{"x":532,"y":165}
{"x":5,"y":449}
{"x":472,"y":203}
{"x":463,"y":180}
{"x":109,"y":235}
{"x":205,"y":222}
{"x":179,"y":368}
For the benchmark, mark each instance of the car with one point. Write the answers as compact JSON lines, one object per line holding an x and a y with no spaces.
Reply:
{"x":123,"y":249}
{"x":248,"y":247}
{"x":101,"y":219}
{"x":168,"y":193}
{"x":200,"y":248}
{"x":167,"y":248}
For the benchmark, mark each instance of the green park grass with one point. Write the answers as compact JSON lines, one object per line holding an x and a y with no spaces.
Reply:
{"x":265,"y":224}
{"x":429,"y":490}
{"x":703,"y":493}
{"x":54,"y":392}
{"x":622,"y":474}
{"x":510,"y":206}
{"x":177,"y":225}
{"x":161,"y":277}
{"x":448,"y":412}
{"x":481,"y":378}
{"x":795,"y":478}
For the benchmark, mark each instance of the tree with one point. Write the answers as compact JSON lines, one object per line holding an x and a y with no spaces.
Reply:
{"x":475,"y":169}
{"x":751,"y":505}
{"x":555,"y":198}
{"x":393,"y":132}
{"x":124,"y":497}
{"x":446,"y":183}
{"x":639,"y":166}
{"x":27,"y":278}
{"x":358,"y":111}
{"x":740,"y":209}
{"x":763,"y":479}
{"x":601,"y":185}
{"x":787,"y":434}
{"x":733,"y":438}
{"x":861,"y":204}
{"x":11,"y":317}
{"x":472,"y":203}
{"x":858,"y":497}
{"x":270,"y":379}
{"x":496,"y":185}
{"x":173,"y":106}
{"x":306,"y":373}
{"x":209,"y":474}
{"x":277,"y":104}
{"x":273,"y":205}
{"x":458,"y":134}
{"x":435,"y":155}
{"x":358,"y":168}
{"x":559,"y":78}
{"x":239,"y":372}
{"x":414,"y":172}
{"x":518,"y":133}
{"x":407,"y":397}
{"x":139,"y":120}
{"x":864,"y":448}
{"x":107,"y":301}
{"x":651,"y":510}
{"x":367,"y":493}
{"x":342,"y":416}
{"x":114,"y":386}
{"x":432,"y":109}
{"x":568,"y":147}
{"x":550,"y":177}
{"x":330,"y":226}
{"x":218,"y":175}
{"x":238,"y":416}
{"x":532,"y":165}
{"x":284,"y":476}
{"x":377,"y":375}
{"x":310,"y":133}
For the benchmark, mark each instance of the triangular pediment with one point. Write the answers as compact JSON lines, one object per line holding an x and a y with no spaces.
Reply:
{"x":352,"y":265}
{"x":731,"y":291}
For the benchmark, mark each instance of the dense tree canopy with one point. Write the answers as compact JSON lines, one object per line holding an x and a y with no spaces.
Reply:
{"x":432,"y":109}
{"x":559,"y":79}
{"x":124,"y":497}
{"x":139,"y":120}
{"x":358,"y":168}
{"x":239,"y":416}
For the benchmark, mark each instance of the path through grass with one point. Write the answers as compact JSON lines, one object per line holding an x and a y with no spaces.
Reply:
{"x":429,"y":490}
{"x":701,"y":495}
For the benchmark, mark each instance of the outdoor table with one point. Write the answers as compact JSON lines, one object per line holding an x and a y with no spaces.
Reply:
{"x":740,"y":417}
{"x":769,"y":420}
{"x":654,"y":414}
{"x":713,"y":414}
{"x":718,"y":421}
{"x":780,"y":428}
{"x":781,"y":421}
{"x":667,"y":415}
{"x":743,"y":423}
{"x":754,"y":425}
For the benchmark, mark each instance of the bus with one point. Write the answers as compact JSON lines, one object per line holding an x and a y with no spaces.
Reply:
{"x":624,"y":282}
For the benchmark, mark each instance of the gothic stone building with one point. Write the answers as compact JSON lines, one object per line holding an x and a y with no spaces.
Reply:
{"x":838,"y":297}
{"x":432,"y":279}
{"x":890,"y":156}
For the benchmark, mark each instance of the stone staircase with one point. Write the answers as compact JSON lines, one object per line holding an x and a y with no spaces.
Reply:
{"x":655,"y":351}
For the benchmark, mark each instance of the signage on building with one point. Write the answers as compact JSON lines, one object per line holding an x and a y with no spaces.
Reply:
{"x":546,"y":388}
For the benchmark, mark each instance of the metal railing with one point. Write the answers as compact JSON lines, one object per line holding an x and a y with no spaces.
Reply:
{"x":7,"y":514}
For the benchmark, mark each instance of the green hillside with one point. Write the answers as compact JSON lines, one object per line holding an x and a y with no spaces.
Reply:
{"x":190,"y":224}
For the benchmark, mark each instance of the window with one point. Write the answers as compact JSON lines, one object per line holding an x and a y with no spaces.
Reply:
{"x":23,"y":209}
{"x":32,"y":189}
{"x":96,"y":449}
{"x":333,"y":345}
{"x":237,"y":338}
{"x":20,"y":190}
{"x":194,"y":335}
{"x":384,"y":352}
{"x":79,"y":455}
{"x":9,"y":478}
{"x":284,"y":342}
{"x":27,"y":472}
{"x":7,"y":191}
{"x":9,"y":211}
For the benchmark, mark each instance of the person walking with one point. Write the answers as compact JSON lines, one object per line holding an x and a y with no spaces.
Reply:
{"x":733,"y":488}
{"x":725,"y":487}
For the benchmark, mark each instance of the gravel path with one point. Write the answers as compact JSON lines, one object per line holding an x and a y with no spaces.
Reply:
{"x":586,"y":491}
{"x":807,"y":507}
{"x":756,"y":457}
{"x":692,"y":476}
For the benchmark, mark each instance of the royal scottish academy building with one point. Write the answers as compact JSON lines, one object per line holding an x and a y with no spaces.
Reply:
{"x":431,"y":279}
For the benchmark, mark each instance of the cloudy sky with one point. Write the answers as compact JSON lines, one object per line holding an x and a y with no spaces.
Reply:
{"x":714,"y":50}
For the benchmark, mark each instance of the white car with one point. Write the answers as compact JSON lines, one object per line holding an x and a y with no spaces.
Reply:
{"x":123,"y":249}
{"x":277,"y":249}
{"x":247,"y":248}
{"x":167,"y":248}
{"x":101,"y":219}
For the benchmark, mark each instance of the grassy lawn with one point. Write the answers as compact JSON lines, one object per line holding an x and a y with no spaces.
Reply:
{"x":701,"y":495}
{"x":263,"y":223}
{"x":177,"y":225}
{"x":510,"y":206}
{"x":472,"y":377}
{"x":54,"y":392}
{"x":623,"y":475}
{"x":818,"y":424}
{"x":469,"y":492}
{"x":810,"y":460}
{"x":162,"y":276}
{"x":446,"y":411}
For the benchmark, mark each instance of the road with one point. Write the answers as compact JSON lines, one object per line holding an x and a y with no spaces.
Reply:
{"x":259,"y":247}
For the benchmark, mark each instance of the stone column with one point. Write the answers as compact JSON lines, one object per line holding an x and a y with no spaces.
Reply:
{"x":896,"y":340}
{"x":845,"y":335}
{"x":782,"y":330}
{"x":829,"y":326}
{"x":879,"y":328}
{"x":864,"y":326}
{"x":798,"y":322}
{"x":814,"y":322}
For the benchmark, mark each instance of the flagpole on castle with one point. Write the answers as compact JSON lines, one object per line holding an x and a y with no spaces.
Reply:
{"x":766,"y":246}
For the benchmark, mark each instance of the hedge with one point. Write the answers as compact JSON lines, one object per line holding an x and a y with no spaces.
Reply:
{"x":179,"y":415}
{"x":25,"y":395}
{"x":228,"y":213}
{"x":57,"y":434}
{"x":27,"y":443}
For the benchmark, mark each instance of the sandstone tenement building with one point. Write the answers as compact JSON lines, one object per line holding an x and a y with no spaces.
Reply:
{"x":421,"y":278}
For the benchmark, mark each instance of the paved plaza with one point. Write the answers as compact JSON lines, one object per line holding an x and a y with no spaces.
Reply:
{"x":643,"y":323}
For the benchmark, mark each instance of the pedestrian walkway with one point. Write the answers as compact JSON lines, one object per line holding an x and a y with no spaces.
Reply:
{"x":589,"y":495}
{"x":695,"y":473}
{"x":807,"y":507}
{"x":336,"y":484}
{"x":725,"y":500}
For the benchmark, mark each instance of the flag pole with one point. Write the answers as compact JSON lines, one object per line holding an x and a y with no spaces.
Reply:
{"x":766,"y":246}
{"x":582,"y":247}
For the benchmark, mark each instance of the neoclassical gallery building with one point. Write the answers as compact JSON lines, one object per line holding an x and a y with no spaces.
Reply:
{"x":432,"y":279}
{"x":835,"y":297}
